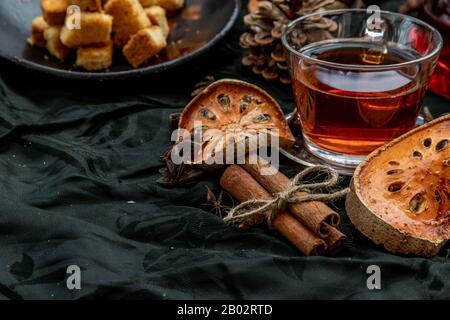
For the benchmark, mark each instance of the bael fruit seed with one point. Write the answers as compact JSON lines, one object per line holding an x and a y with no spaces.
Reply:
{"x":224,"y":102}
{"x":205,"y":113}
{"x":262,"y":118}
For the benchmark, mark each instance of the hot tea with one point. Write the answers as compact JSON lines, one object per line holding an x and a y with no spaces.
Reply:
{"x":359,"y":78}
{"x":354,"y":111}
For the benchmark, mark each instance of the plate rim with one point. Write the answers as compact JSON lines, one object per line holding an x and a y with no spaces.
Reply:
{"x":154,"y":69}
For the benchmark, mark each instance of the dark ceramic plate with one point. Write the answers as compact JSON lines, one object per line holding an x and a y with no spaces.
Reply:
{"x":195,"y":29}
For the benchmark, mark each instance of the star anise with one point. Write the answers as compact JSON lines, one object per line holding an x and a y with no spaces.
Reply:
{"x":200,"y":86}
{"x":216,"y":202}
{"x":173,"y":175}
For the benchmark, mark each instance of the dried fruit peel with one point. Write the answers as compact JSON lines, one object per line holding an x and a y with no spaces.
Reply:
{"x":235,"y":109}
{"x":401,"y":193}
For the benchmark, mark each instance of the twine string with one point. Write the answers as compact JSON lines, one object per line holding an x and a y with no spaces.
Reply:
{"x":270,"y":208}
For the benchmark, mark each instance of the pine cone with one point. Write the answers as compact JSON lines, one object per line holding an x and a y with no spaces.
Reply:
{"x":266,"y":21}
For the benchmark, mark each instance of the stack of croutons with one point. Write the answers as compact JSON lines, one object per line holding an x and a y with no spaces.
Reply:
{"x":138,"y":27}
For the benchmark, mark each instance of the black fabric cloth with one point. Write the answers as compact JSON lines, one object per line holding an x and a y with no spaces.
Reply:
{"x":79,"y":162}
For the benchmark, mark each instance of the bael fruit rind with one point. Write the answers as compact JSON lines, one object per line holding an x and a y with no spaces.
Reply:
{"x":237,"y":109}
{"x":399,"y":194}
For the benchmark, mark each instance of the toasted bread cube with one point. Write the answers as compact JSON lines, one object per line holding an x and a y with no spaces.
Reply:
{"x":144,"y":45}
{"x":148,"y":3}
{"x":54,"y":45}
{"x":157,"y":16}
{"x":38,"y":27}
{"x":171,"y":4}
{"x":87,"y":5}
{"x":95,"y":29}
{"x":95,"y":58}
{"x":129,"y":18}
{"x":166,"y":4}
{"x":54,"y":11}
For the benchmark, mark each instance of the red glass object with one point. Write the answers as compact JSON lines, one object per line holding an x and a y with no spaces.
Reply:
{"x":437,"y":13}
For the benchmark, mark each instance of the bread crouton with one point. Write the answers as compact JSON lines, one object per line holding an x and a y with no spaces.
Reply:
{"x":38,"y":27}
{"x":87,"y":5}
{"x":148,"y":3}
{"x":166,"y":4}
{"x":129,"y":18}
{"x":54,"y":45}
{"x":95,"y":29}
{"x":54,"y":11}
{"x":144,"y":45}
{"x":95,"y":58}
{"x":171,"y":4}
{"x":157,"y":16}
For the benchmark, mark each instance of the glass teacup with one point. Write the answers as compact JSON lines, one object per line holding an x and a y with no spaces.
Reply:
{"x":359,"y":78}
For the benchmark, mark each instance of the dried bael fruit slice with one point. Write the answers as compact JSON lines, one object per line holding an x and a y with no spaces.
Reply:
{"x":400,"y":195}
{"x":231,"y":111}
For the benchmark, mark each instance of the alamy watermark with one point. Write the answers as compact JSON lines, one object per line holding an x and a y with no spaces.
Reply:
{"x":73,"y":281}
{"x":374,"y":280}
{"x":374,"y":22}
{"x":73,"y":18}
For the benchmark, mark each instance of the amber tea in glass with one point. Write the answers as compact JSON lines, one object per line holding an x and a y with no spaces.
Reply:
{"x":355,"y":112}
{"x":356,"y":88}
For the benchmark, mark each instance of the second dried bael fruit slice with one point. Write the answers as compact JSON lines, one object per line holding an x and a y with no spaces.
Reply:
{"x":400,"y":195}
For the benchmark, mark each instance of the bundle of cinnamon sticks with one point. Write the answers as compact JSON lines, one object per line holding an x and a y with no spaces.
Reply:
{"x":309,"y":226}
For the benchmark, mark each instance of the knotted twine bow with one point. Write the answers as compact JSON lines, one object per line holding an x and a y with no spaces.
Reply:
{"x":278,"y":203}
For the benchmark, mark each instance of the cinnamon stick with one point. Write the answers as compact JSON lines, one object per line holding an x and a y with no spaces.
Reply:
{"x":315,"y":215}
{"x":335,"y":241}
{"x":243,"y":187}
